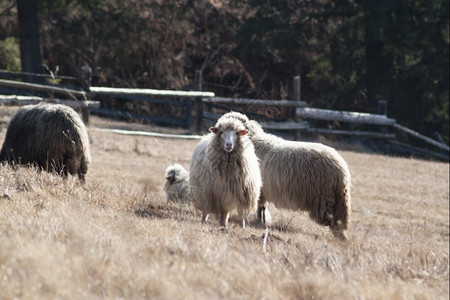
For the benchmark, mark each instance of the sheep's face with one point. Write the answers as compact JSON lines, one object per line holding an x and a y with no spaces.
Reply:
{"x":171,"y":176}
{"x":229,"y":137}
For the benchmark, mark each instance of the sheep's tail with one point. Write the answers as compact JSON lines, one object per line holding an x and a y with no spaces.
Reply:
{"x":342,"y":211}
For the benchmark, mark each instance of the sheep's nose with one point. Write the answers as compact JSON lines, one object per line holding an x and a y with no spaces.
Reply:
{"x":228,"y":147}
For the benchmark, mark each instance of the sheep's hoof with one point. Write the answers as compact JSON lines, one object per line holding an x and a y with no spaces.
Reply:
{"x":243,"y":223}
{"x":205,"y":218}
{"x":224,"y":230}
{"x":339,"y":234}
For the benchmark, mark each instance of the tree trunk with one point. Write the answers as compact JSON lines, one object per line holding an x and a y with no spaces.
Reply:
{"x":374,"y":49}
{"x":30,"y":41}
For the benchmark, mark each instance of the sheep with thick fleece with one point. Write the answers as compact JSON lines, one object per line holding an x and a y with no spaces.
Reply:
{"x":177,"y":184}
{"x":224,"y":173}
{"x":301,"y":176}
{"x":50,"y":136}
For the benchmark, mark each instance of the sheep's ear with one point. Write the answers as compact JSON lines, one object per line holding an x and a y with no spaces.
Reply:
{"x":214,"y":130}
{"x":244,"y":132}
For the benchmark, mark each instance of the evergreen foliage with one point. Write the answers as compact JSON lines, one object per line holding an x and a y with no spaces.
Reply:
{"x":350,"y":54}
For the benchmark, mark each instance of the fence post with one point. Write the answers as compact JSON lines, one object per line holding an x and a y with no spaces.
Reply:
{"x":382,"y":110}
{"x":198,"y":100}
{"x":297,"y":97}
{"x":382,"y":107}
{"x":86,"y":78}
{"x":187,"y":112}
{"x":187,"y":102}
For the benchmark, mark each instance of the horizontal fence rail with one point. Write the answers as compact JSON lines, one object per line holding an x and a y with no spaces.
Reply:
{"x":13,"y":100}
{"x":285,"y":125}
{"x":422,"y":137}
{"x":367,"y":134}
{"x":42,"y":87}
{"x":150,"y":134}
{"x":152,"y":92}
{"x":256,"y":102}
{"x":266,"y":125}
{"x":343,"y":116}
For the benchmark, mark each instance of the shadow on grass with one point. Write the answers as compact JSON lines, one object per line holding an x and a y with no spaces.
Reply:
{"x":169,"y":211}
{"x":269,"y":238}
{"x":285,"y":225}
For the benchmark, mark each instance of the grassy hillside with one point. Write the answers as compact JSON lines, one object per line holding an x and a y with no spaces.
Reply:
{"x":115,"y":237}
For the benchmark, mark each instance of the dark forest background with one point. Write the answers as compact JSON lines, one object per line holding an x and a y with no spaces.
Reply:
{"x":349,"y":54}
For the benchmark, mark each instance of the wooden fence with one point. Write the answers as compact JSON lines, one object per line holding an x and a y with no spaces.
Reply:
{"x":385,"y":133}
{"x":207,"y":109}
{"x":184,"y":99}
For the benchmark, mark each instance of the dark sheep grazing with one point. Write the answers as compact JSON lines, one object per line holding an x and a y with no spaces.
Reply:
{"x":50,"y":136}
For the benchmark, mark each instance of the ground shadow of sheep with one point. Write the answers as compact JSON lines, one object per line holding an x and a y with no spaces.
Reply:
{"x":268,"y":236}
{"x":168,"y":211}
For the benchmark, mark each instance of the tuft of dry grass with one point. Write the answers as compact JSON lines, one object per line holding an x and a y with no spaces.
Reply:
{"x":115,"y":237}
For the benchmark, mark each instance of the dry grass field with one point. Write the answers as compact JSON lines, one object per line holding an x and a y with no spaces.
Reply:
{"x":115,"y":237}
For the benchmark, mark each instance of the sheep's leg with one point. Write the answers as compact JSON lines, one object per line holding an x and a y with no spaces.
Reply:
{"x":262,"y":206}
{"x":81,"y":177}
{"x":205,"y":217}
{"x":224,"y":218}
{"x":336,"y":226}
{"x":262,"y":214}
{"x":242,"y":217}
{"x":65,"y":173}
{"x":82,"y":170}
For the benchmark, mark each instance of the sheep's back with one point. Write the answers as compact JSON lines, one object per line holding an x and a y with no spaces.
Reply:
{"x":296,"y":175}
